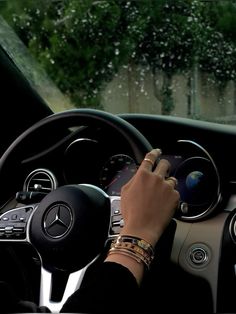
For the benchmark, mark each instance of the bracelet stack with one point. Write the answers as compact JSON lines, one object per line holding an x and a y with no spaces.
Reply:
{"x":134,"y":247}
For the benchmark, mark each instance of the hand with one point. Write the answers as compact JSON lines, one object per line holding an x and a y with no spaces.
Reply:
{"x":149,"y":200}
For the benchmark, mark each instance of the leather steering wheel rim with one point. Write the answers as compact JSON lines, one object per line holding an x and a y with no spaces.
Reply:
{"x":138,"y":142}
{"x":74,"y":117}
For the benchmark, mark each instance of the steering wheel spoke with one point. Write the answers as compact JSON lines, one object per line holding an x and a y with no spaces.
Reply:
{"x":69,"y":283}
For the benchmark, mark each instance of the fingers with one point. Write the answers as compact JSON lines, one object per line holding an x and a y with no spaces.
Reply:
{"x":162,"y":169}
{"x":150,"y":159}
{"x":172,"y":181}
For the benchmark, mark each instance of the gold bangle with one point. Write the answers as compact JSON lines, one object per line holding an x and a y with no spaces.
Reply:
{"x":126,"y":253}
{"x":137,"y":258}
{"x":133,"y":250}
{"x":138,"y":241}
{"x":132,"y":247}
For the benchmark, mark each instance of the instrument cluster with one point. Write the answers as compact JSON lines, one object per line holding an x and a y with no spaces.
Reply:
{"x":86,"y":161}
{"x":198,"y":178}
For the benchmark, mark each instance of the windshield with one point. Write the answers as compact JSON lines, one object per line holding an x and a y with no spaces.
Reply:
{"x":157,"y":57}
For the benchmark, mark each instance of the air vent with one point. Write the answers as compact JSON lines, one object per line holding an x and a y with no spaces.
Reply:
{"x":40,"y":180}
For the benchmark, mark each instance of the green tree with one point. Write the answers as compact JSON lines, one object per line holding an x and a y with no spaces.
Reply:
{"x":83,"y":44}
{"x":217,"y":52}
{"x":183,"y":36}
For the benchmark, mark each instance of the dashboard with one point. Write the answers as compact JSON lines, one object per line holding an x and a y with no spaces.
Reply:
{"x":205,"y":229}
{"x":87,"y":158}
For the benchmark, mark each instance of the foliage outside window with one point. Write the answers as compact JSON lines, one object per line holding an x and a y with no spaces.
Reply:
{"x":84,"y":44}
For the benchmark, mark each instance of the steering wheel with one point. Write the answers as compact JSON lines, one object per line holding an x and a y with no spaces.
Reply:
{"x":70,"y":225}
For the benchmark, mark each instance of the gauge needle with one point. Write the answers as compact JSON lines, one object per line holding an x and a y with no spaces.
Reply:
{"x":113,"y":181}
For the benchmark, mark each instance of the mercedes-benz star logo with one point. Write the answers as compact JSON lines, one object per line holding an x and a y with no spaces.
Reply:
{"x":57,"y":221}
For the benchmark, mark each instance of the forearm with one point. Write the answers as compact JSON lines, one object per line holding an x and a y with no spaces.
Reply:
{"x":109,"y":283}
{"x":137,"y":269}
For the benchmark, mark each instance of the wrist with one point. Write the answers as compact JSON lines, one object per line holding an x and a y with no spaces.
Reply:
{"x":133,"y":252}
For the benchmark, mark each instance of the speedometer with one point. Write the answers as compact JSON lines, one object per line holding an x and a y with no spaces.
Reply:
{"x":116,"y":172}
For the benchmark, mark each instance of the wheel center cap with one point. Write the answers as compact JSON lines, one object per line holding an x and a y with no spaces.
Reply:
{"x":57,"y":221}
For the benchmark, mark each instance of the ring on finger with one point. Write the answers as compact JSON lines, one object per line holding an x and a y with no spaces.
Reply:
{"x":173,"y":179}
{"x":149,"y":160}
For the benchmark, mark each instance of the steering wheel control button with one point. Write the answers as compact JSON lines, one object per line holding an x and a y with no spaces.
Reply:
{"x":9,"y":229}
{"x":115,"y":206}
{"x":13,"y":223}
{"x":199,"y":255}
{"x":57,"y":221}
{"x":117,"y":220}
{"x":14,"y":217}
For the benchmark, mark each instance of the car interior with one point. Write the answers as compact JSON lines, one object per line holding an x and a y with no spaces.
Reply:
{"x":72,"y":164}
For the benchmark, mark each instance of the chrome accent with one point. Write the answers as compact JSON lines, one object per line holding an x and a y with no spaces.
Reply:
{"x":115,"y":210}
{"x":29,"y":223}
{"x":56,"y":219}
{"x":217,"y":200}
{"x":73,"y":283}
{"x":80,"y":140}
{"x":42,"y":180}
{"x":204,"y":256}
{"x":183,"y":207}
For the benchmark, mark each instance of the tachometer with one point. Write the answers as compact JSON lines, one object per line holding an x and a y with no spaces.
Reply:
{"x":117,"y":171}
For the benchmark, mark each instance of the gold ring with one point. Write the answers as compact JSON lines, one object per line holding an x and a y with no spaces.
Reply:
{"x":149,"y":160}
{"x":173,"y":179}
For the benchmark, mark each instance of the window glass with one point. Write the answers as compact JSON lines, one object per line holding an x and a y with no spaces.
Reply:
{"x":160,"y":57}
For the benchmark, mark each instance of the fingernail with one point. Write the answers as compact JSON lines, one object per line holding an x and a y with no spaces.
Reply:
{"x":159,"y":151}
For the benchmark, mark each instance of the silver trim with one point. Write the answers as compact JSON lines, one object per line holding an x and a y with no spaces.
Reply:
{"x":46,"y":172}
{"x":80,"y":140}
{"x":195,"y":261}
{"x":74,"y":280}
{"x":57,"y":220}
{"x":218,"y":198}
{"x":73,"y":283}
{"x":112,"y":236}
{"x":28,"y":226}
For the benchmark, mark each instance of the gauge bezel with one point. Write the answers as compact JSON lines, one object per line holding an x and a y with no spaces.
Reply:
{"x":212,"y":204}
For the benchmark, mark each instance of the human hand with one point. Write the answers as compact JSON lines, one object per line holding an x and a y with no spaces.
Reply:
{"x":149,"y":200}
